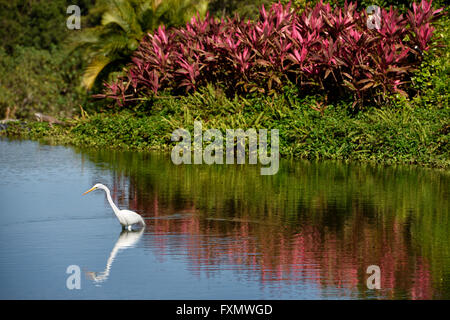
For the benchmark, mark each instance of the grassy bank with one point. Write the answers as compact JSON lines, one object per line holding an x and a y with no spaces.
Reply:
{"x":401,"y":133}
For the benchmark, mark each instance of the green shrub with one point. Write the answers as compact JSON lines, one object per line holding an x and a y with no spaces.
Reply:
{"x":431,"y":81}
{"x":38,"y":24}
{"x":38,"y":80}
{"x":393,"y":134}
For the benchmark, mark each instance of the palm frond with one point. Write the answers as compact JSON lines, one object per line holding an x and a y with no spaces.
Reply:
{"x":123,"y":24}
{"x":95,"y":67}
{"x":115,"y":43}
{"x":112,"y":17}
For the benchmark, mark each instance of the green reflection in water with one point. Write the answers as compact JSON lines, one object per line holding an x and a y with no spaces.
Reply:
{"x":325,"y":222}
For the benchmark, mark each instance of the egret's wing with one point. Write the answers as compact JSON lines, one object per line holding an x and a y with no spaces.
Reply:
{"x":131,"y":217}
{"x":128,"y":212}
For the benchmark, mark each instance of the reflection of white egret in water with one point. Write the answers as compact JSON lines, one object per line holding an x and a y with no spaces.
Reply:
{"x":127,"y":218}
{"x":127,"y":239}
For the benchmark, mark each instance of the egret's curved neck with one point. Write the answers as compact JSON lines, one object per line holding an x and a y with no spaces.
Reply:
{"x":111,"y":203}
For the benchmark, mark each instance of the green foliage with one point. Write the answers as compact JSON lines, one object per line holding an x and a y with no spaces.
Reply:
{"x":38,"y":24}
{"x":245,"y":9}
{"x":431,"y":81}
{"x":397,"y":133}
{"x":36,"y":75}
{"x":37,"y":80}
{"x":123,"y":23}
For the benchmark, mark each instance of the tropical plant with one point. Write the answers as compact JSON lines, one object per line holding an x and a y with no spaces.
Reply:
{"x":123,"y":24}
{"x":328,"y":50}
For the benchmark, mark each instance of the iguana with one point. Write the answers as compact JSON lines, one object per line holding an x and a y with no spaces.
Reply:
{"x":44,"y":118}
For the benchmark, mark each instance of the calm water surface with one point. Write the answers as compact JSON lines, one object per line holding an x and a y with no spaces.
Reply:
{"x":218,"y":232}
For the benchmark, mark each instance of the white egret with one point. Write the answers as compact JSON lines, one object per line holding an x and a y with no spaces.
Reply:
{"x":126,"y":218}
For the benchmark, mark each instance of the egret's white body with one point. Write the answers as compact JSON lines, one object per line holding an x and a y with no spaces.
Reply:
{"x":126,"y":218}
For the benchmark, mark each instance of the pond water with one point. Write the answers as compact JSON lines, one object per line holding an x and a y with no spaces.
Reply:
{"x":220,"y":231}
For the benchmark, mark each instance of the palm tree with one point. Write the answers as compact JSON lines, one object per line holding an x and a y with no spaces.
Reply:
{"x":124,"y":23}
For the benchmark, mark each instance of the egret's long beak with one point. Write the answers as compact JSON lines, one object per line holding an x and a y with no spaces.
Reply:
{"x":91,"y":189}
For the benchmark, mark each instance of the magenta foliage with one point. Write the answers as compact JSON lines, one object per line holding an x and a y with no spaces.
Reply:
{"x":330,"y":50}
